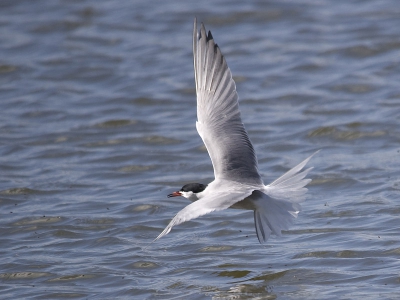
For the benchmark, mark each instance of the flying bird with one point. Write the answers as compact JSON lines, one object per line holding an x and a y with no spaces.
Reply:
{"x":237,"y":180}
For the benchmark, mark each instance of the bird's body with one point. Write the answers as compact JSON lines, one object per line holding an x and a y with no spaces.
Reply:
{"x":237,"y":180}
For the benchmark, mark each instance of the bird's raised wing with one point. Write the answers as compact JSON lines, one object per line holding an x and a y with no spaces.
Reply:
{"x":218,"y":117}
{"x":215,"y":201}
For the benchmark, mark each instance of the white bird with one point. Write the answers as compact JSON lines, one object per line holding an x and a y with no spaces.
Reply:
{"x":237,"y":180}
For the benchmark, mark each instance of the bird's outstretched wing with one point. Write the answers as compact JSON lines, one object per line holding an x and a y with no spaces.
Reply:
{"x":215,"y":201}
{"x":218,"y":117}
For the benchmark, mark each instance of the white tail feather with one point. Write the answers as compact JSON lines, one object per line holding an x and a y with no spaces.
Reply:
{"x":276,"y":207}
{"x":271,"y":215}
{"x":291,"y":185}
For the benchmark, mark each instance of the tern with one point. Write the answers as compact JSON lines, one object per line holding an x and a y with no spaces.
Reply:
{"x":237,"y":180}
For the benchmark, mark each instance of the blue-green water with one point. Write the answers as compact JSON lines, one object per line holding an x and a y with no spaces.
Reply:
{"x":97,"y":126}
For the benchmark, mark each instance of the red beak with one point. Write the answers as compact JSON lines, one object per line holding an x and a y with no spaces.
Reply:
{"x":175,"y":194}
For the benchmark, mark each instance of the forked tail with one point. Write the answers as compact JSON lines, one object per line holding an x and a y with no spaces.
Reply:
{"x":277,"y":205}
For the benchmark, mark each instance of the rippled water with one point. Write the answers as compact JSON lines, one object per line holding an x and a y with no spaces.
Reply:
{"x":97,"y":126}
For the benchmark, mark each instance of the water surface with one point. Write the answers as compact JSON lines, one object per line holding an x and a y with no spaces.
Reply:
{"x":97,"y":126}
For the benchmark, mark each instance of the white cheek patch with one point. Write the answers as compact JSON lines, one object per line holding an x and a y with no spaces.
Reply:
{"x":187,"y":194}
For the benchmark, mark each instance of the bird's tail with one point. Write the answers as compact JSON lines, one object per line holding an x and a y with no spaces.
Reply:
{"x":291,"y":185}
{"x":272,"y":215}
{"x":277,"y":205}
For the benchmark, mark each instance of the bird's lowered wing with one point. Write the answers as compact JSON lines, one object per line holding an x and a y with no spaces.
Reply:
{"x":215,"y":201}
{"x":218,"y":117}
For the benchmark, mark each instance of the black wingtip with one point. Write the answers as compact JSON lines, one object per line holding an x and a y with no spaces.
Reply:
{"x":209,"y":37}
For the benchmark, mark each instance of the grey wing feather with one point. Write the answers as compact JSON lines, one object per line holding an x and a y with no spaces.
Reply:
{"x":219,"y":123}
